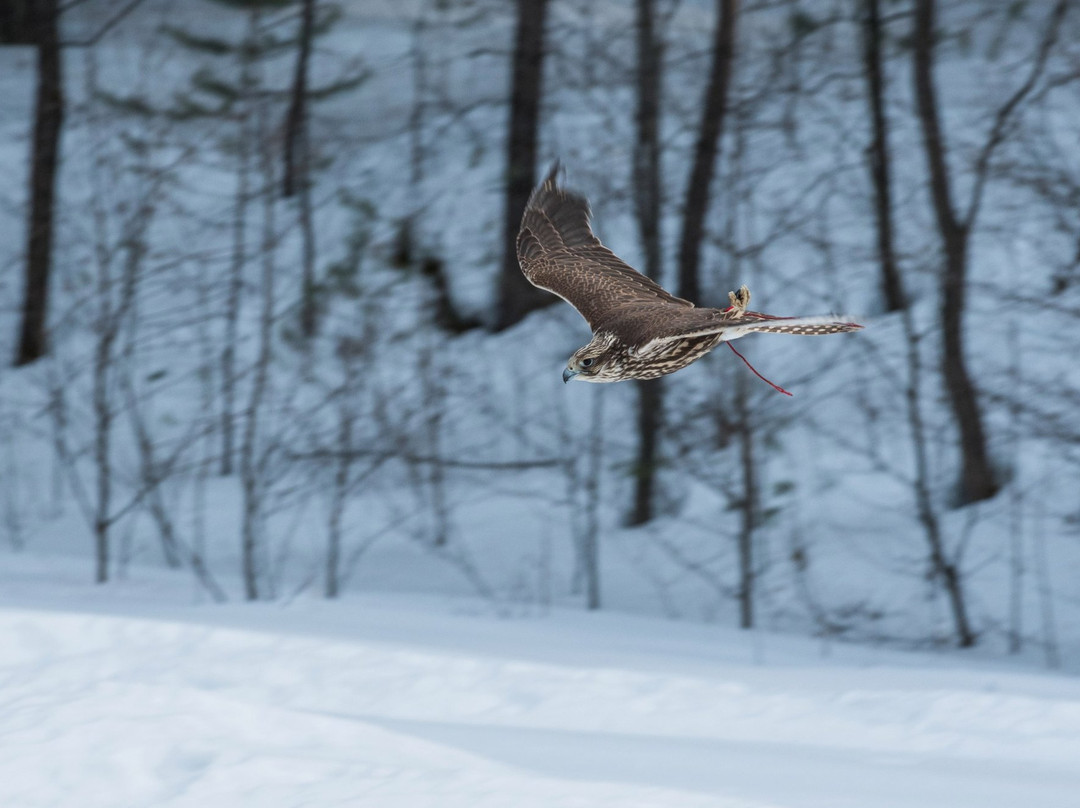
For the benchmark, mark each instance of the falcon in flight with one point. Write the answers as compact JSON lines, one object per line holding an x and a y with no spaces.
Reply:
{"x":639,"y":330}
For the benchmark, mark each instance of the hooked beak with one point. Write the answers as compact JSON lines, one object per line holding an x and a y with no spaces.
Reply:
{"x":568,"y":374}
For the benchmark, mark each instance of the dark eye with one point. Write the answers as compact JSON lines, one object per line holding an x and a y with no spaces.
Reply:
{"x":587,"y":363}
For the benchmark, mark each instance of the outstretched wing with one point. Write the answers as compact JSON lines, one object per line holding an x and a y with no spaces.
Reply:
{"x":558,"y":252}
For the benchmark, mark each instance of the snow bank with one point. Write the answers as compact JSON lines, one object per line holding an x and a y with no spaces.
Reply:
{"x":108,"y":711}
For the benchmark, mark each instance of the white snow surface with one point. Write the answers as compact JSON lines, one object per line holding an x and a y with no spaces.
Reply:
{"x":387,"y":700}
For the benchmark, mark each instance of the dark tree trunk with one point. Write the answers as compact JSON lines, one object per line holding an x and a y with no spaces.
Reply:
{"x":297,"y":166}
{"x":517,"y":297}
{"x":892,"y":292}
{"x":17,"y":22}
{"x":706,"y":150}
{"x":647,"y":142}
{"x":950,"y":576}
{"x":647,"y":208}
{"x":340,"y":493}
{"x":650,"y":418}
{"x":48,"y":118}
{"x":977,"y":480}
{"x":296,"y":117}
{"x":233,"y":301}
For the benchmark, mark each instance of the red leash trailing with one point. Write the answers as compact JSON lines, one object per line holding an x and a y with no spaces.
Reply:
{"x":775,"y":387}
{"x":746,"y":361}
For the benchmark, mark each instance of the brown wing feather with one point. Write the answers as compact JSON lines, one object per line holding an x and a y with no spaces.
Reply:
{"x":558,"y":252}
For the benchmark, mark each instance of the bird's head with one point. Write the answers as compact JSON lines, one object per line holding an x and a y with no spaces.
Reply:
{"x":596,"y":362}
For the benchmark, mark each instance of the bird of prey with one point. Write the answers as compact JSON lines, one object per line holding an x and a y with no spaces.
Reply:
{"x":640,"y":331}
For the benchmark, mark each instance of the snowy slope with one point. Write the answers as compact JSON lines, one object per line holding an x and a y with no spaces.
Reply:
{"x":391,"y":701}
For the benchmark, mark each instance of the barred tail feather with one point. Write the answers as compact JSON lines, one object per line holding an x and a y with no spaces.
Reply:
{"x":803,"y":326}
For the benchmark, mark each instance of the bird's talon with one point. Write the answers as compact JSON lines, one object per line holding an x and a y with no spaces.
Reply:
{"x":740,"y":301}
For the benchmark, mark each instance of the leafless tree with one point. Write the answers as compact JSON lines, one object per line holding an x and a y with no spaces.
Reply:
{"x":114,"y":295}
{"x":955,"y":226}
{"x":647,"y":198}
{"x":349,"y":351}
{"x":879,"y":154}
{"x":41,"y":27}
{"x":37,"y":22}
{"x":710,"y":132}
{"x":253,"y":446}
{"x":517,"y":297}
{"x":296,"y":177}
{"x":239,"y":257}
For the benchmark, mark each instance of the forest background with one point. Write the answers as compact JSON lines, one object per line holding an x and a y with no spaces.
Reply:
{"x":265,"y":328}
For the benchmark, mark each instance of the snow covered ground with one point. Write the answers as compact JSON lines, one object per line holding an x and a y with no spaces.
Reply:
{"x":390,"y":700}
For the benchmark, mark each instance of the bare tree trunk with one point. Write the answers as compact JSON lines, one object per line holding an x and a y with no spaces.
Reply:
{"x":252,"y":461}
{"x":17,"y":22}
{"x":103,"y":416}
{"x":115,"y":298}
{"x":232,"y":315}
{"x":208,"y":347}
{"x":419,"y":107}
{"x":892,"y":294}
{"x":48,"y":119}
{"x":153,"y":473}
{"x":650,"y":418}
{"x":517,"y":297}
{"x":110,"y":321}
{"x":65,"y":468}
{"x":236,"y":277}
{"x":296,"y":118}
{"x":297,"y":167}
{"x":102,"y":435}
{"x":950,"y":575}
{"x":895,"y":299}
{"x":250,"y":474}
{"x":647,"y":192}
{"x":707,"y":148}
{"x":1016,"y":500}
{"x":647,"y":208}
{"x":434,"y":475}
{"x":13,"y":518}
{"x":309,"y":308}
{"x":1046,"y":596}
{"x":978,"y":480}
{"x":945,"y":570}
{"x":341,"y":490}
